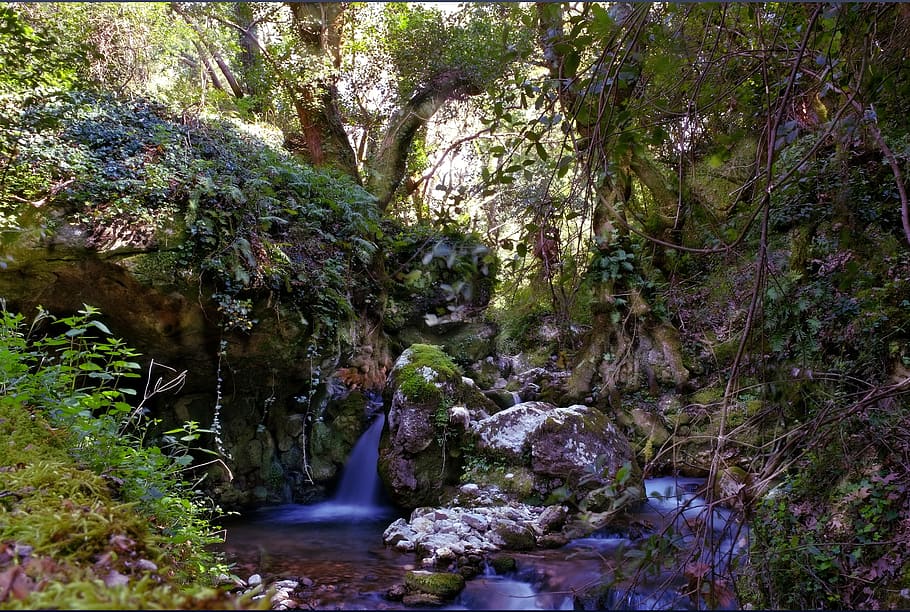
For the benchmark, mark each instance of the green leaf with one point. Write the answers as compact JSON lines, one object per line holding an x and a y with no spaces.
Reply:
{"x":101,"y":326}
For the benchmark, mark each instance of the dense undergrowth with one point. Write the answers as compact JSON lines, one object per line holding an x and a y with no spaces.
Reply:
{"x":92,"y":515}
{"x":221,"y":203}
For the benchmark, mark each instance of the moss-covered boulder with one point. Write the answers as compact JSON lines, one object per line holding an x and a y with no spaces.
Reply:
{"x":442,"y":584}
{"x":431,"y":409}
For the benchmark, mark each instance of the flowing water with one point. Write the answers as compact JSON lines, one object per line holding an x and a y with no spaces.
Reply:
{"x":335,"y":548}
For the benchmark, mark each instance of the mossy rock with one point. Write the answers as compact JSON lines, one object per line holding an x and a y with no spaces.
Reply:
{"x":441,"y":584}
{"x":514,"y":480}
{"x":421,"y":371}
{"x":503,"y":564}
{"x":708,"y":395}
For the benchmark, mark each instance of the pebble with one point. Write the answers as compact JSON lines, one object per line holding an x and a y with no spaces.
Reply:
{"x":287,"y":584}
{"x":254,"y":580}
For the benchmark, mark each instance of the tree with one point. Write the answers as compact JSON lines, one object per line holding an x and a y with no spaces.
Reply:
{"x":601,"y":131}
{"x":459,"y":56}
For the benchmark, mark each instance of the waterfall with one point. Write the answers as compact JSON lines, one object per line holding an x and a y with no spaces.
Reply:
{"x":358,"y":498}
{"x":360,"y":481}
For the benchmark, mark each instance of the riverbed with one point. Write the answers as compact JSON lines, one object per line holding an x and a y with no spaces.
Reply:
{"x":335,"y":551}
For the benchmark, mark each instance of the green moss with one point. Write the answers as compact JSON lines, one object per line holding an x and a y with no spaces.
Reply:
{"x":26,"y":436}
{"x":427,"y":369}
{"x":709,"y":395}
{"x":503,"y":564}
{"x":442,"y":584}
{"x":79,"y":535}
{"x":514,"y":480}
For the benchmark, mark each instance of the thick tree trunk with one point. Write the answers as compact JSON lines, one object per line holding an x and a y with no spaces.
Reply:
{"x":385,"y":167}
{"x":323,"y":141}
{"x":627,"y":346}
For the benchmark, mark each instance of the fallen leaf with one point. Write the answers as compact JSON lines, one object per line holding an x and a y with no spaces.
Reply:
{"x":14,"y":581}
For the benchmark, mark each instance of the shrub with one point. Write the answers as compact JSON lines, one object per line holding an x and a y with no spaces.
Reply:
{"x":94,"y":513}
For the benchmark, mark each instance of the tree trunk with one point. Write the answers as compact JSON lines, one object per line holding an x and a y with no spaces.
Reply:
{"x":207,"y":44}
{"x":323,"y":141}
{"x":626,"y":345}
{"x":213,"y":76}
{"x":385,"y":167}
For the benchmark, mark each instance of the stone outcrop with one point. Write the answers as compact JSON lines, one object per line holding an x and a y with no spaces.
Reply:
{"x":577,"y":448}
{"x":430,"y":409}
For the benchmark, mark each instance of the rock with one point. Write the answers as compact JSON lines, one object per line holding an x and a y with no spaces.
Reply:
{"x":420,"y":600}
{"x":254,"y":580}
{"x":732,"y":486}
{"x":503,"y":398}
{"x":502,"y":564}
{"x":601,"y":596}
{"x":441,"y":584}
{"x":553,"y":518}
{"x":506,"y":433}
{"x":396,"y":592}
{"x":553,"y":540}
{"x":421,"y":453}
{"x":512,"y":536}
{"x":286,"y":584}
{"x":573,"y":440}
{"x":475,"y":521}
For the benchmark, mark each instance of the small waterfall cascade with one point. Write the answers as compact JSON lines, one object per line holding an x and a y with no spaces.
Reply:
{"x":360,"y":484}
{"x":359,"y":495}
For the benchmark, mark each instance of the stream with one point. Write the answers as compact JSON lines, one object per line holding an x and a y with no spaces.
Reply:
{"x":335,"y":549}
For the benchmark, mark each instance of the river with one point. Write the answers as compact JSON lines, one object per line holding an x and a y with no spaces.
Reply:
{"x":335,"y":550}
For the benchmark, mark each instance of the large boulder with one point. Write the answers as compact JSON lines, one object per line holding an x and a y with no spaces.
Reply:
{"x":574,"y":449}
{"x":430,"y":411}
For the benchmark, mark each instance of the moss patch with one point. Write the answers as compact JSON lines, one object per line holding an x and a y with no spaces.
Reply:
{"x":441,"y":584}
{"x":426,"y":368}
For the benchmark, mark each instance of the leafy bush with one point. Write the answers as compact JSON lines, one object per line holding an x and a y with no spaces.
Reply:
{"x":92,"y":504}
{"x":435,"y":272}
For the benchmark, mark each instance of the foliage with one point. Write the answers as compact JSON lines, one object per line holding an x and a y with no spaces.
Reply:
{"x":823,"y":547}
{"x":95,"y":512}
{"x":253,"y":219}
{"x":122,"y":47}
{"x":19,"y":45}
{"x":435,"y":272}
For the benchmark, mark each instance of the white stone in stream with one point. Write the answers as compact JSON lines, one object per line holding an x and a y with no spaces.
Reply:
{"x":287,"y":584}
{"x":475,"y":521}
{"x":397,"y":533}
{"x":254,"y":580}
{"x":422,"y":525}
{"x":469,"y":488}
